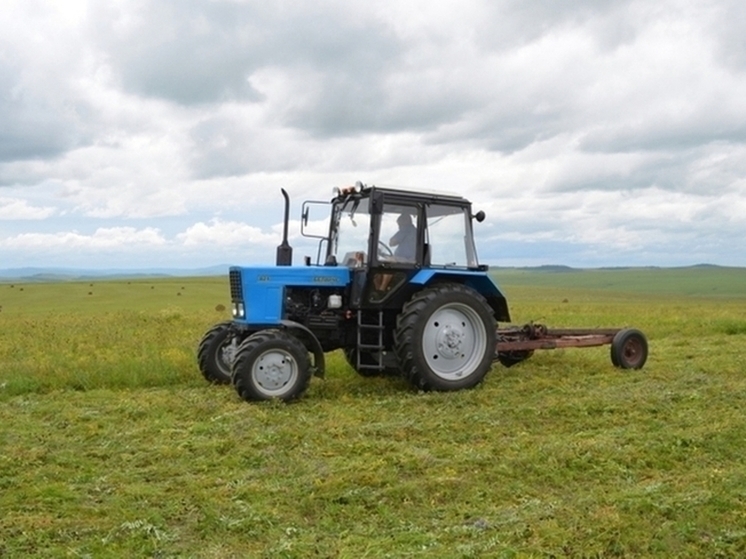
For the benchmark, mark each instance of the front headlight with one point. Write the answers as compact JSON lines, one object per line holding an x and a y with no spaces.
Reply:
{"x":334,"y":302}
{"x":239,"y":311}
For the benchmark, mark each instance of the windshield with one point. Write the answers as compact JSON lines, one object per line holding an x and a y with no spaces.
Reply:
{"x":350,"y":232}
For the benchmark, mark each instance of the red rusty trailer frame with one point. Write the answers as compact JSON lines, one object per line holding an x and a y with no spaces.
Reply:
{"x":629,"y":347}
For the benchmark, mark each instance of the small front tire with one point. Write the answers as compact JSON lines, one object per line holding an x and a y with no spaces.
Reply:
{"x":216,"y":353}
{"x":271,"y":365}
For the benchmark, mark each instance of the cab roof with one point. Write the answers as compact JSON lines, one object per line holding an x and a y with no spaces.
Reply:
{"x":399,"y":195}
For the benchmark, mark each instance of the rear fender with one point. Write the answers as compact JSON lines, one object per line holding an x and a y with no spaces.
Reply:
{"x":479,"y":281}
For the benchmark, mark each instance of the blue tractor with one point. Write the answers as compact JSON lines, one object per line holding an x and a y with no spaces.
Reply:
{"x":397,"y":286}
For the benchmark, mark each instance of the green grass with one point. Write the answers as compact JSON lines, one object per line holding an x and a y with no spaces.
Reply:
{"x":118,"y":334}
{"x":113,"y":446}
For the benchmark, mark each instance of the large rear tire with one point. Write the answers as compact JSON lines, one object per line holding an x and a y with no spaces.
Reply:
{"x":445,"y":338}
{"x":271,"y":364}
{"x":216,"y":353}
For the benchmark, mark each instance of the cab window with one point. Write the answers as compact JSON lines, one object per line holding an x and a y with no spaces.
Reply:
{"x":449,"y":238}
{"x":397,"y":242}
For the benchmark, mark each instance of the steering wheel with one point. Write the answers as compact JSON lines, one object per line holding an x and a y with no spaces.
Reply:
{"x":384,"y":251}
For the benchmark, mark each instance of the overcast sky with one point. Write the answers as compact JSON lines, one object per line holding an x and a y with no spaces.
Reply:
{"x":143,"y":133}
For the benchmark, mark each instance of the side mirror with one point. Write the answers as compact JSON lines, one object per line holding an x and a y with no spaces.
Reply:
{"x":305,"y":219}
{"x":479,"y":216}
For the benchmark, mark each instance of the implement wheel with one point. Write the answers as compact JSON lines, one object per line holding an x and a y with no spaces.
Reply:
{"x":629,"y":349}
{"x":271,"y":364}
{"x":445,"y":338}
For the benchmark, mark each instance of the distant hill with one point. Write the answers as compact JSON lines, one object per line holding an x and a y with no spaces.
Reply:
{"x":561,"y":268}
{"x":73,"y":274}
{"x":553,"y":269}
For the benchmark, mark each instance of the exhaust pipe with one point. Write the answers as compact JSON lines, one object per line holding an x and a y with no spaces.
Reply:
{"x":285,"y":251}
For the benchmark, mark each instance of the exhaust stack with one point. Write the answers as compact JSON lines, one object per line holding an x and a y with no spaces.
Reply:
{"x":285,"y":251}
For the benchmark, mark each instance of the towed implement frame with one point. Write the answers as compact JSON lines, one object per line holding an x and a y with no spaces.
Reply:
{"x":629,"y":347}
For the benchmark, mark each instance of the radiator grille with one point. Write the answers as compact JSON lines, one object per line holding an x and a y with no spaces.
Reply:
{"x":236,"y":285}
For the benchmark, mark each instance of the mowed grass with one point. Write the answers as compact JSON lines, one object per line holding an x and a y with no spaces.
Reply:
{"x":709,"y":281}
{"x":113,"y":446}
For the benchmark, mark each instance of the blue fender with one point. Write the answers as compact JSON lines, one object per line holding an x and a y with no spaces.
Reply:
{"x":479,"y":281}
{"x":312,"y":344}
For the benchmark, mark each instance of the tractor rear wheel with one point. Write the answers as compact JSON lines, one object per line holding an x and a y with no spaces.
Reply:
{"x":445,"y":338}
{"x":271,"y":364}
{"x":629,"y":349}
{"x":216,"y":352}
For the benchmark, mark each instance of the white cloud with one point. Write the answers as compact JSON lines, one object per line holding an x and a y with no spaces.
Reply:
{"x":225,"y":234}
{"x":105,"y":238}
{"x":16,"y":208}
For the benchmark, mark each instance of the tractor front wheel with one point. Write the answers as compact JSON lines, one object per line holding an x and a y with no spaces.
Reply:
{"x":445,"y":338}
{"x":271,"y":364}
{"x":216,"y":353}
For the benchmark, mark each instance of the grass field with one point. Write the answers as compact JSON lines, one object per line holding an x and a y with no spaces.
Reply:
{"x":113,"y":446}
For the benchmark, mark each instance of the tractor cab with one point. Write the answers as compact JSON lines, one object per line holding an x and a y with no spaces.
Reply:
{"x":386,"y":237}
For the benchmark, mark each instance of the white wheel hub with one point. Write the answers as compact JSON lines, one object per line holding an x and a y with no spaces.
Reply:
{"x":454,"y":341}
{"x":273,"y":370}
{"x":450,"y":340}
{"x":228,"y":354}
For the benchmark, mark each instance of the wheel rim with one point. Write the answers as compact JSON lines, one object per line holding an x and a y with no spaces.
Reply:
{"x":454,"y":341}
{"x":274,"y":371}
{"x":227,"y":355}
{"x":632,"y":351}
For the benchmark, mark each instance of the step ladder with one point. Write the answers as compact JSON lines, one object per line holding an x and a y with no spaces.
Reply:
{"x":370,"y":340}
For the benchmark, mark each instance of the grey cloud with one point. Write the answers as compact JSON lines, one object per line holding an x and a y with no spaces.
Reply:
{"x":666,"y":171}
{"x":35,"y":124}
{"x":710,"y":169}
{"x":727,"y":19}
{"x":224,"y":146}
{"x":512,"y":132}
{"x":683,"y":133}
{"x":188,"y":52}
{"x":514,"y":23}
{"x":196,"y":52}
{"x":207,"y":52}
{"x":350,"y":105}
